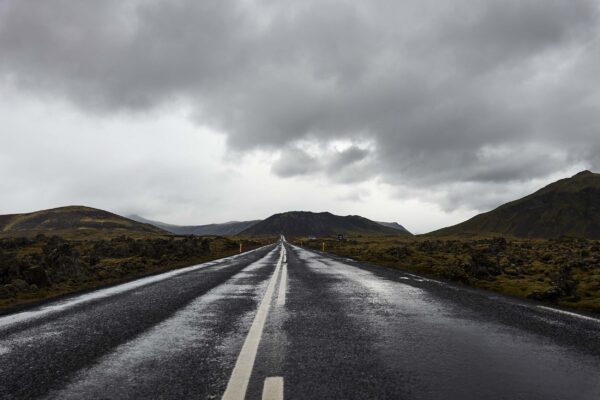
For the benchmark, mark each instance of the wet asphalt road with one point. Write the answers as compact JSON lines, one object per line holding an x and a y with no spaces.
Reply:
{"x":334,"y":329}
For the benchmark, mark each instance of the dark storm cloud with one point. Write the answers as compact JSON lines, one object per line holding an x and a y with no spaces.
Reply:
{"x":478,"y":92}
{"x":345,"y":166}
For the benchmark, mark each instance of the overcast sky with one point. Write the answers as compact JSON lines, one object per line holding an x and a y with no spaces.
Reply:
{"x":421,"y":112}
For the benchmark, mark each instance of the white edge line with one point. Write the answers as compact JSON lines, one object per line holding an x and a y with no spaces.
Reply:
{"x":102,"y":293}
{"x":556,"y":310}
{"x":572,"y":314}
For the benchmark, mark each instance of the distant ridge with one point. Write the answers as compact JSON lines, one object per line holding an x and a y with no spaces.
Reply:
{"x":304,"y":223}
{"x":225,"y":229}
{"x":73,"y":221}
{"x":568,"y":207}
{"x":394,"y":225}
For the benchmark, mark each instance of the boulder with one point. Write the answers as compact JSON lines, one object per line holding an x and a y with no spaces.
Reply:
{"x":37,"y":276}
{"x":551,"y":294}
{"x":7,"y":291}
{"x":20,"y":285}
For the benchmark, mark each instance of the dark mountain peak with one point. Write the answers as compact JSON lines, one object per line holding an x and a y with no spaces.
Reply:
{"x":302,"y":212}
{"x":568,"y":207}
{"x":394,"y":225}
{"x":307,"y":223}
{"x":584,"y":173}
{"x":584,"y":180}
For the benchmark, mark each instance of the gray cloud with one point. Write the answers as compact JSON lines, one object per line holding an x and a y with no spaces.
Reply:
{"x":447,"y":93}
{"x":348,"y":166}
{"x":295,"y":161}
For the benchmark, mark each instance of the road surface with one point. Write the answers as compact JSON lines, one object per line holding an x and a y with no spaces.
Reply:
{"x":285,"y":322}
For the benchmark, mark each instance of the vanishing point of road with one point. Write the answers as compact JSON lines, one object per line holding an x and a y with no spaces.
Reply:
{"x":284,"y":322}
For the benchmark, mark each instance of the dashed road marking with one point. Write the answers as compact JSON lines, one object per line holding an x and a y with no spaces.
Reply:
{"x":238,"y":382}
{"x":273,"y":388}
{"x":282,"y":286}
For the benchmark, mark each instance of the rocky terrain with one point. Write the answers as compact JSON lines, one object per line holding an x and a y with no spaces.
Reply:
{"x":563,"y":271}
{"x":37,"y":268}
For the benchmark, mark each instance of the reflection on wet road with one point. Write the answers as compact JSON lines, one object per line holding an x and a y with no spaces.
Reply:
{"x":284,"y":322}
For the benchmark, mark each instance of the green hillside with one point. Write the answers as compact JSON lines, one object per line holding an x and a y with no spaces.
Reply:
{"x":568,"y":207}
{"x":73,"y":222}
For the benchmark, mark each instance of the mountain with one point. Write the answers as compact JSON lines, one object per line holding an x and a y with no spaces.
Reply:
{"x":158,"y":224}
{"x":568,"y":207}
{"x":225,"y":229}
{"x":73,"y":221}
{"x":394,"y":225}
{"x":303,"y":223}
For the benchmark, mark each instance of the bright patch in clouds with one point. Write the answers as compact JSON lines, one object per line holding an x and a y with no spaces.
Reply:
{"x":164,"y":166}
{"x":421,"y":112}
